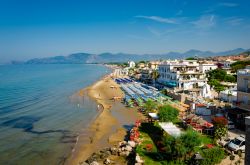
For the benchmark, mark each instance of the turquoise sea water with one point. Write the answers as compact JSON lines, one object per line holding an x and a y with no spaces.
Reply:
{"x":39,"y":122}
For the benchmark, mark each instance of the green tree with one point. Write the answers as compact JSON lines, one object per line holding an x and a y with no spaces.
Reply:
{"x":217,"y":74}
{"x":219,"y":88}
{"x":179,"y":147}
{"x":230,"y":78}
{"x":150,"y":105}
{"x":131,"y":71}
{"x":167,"y":113}
{"x":240,"y":65}
{"x":191,"y":58}
{"x":190,"y":140}
{"x":212,"y":156}
{"x":155,"y":75}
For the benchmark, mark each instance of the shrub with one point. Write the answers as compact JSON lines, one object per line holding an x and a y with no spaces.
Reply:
{"x":212,"y":156}
{"x":230,"y":78}
{"x":190,"y":140}
{"x":220,"y":124}
{"x":167,"y":113}
{"x":150,"y":105}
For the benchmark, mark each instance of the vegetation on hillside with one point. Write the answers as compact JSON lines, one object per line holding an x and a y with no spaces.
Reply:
{"x":191,"y":58}
{"x":239,"y":65}
{"x":219,"y":75}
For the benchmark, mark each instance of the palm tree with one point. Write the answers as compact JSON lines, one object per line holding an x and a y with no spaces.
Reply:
{"x":155,"y":75}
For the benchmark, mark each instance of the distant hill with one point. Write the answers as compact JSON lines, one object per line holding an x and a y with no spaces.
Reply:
{"x":81,"y":58}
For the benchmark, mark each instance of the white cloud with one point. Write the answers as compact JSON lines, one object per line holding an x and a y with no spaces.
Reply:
{"x":234,"y":21}
{"x":155,"y":32}
{"x":161,"y":33}
{"x":205,"y":22}
{"x":158,"y":19}
{"x":218,"y":6}
{"x":228,"y":4}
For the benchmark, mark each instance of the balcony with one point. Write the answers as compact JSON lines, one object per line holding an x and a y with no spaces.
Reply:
{"x":245,"y":72}
{"x":192,"y":80}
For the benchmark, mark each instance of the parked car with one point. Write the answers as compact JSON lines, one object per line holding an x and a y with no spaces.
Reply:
{"x":237,"y":144}
{"x":224,"y":142}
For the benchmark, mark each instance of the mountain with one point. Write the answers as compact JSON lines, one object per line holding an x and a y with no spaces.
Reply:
{"x":232,"y":52}
{"x":77,"y":58}
{"x":81,"y":58}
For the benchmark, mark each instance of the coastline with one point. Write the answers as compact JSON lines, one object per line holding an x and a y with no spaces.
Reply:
{"x":106,"y":129}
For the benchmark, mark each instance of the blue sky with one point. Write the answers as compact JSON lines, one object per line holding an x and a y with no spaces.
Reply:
{"x":42,"y":28}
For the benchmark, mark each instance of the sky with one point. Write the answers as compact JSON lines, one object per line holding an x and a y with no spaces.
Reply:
{"x":44,"y":28}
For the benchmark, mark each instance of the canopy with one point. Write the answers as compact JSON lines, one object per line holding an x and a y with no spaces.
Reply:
{"x":153,"y":116}
{"x":170,"y":128}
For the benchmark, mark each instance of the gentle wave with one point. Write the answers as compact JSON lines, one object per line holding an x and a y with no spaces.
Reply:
{"x":37,"y":118}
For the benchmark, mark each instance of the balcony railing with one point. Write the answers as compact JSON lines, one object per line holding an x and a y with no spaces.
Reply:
{"x":244,"y":72}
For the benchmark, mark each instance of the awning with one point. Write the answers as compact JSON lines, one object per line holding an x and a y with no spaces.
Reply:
{"x":170,"y":128}
{"x":153,"y":116}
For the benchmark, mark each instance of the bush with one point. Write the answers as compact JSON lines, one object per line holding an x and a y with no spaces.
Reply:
{"x":230,"y":78}
{"x":150,"y":105}
{"x":179,"y":147}
{"x":212,"y":156}
{"x":167,"y":113}
{"x":190,"y":140}
{"x":220,"y":124}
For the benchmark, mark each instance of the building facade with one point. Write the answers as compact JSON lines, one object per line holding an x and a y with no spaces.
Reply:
{"x":131,"y":64}
{"x":182,"y":74}
{"x":243,"y":89}
{"x":205,"y":67}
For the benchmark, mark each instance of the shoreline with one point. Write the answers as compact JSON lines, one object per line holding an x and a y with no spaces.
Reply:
{"x":105,"y":129}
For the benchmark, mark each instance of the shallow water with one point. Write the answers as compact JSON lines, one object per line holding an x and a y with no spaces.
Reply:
{"x":39,"y":120}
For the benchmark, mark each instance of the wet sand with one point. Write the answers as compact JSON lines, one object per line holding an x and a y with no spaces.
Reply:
{"x":111,"y":124}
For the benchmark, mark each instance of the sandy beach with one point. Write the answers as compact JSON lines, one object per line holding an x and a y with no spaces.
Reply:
{"x":111,"y":124}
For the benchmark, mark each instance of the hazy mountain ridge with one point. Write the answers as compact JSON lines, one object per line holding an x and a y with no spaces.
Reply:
{"x":81,"y":58}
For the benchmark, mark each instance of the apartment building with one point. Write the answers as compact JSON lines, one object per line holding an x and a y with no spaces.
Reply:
{"x":243,"y":89}
{"x":182,"y":74}
{"x":206,"y":67}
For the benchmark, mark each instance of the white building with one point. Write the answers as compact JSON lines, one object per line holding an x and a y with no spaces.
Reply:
{"x":226,"y":64}
{"x":229,"y":95}
{"x":243,"y":88}
{"x":206,"y":91}
{"x":118,"y":72}
{"x":131,"y":64}
{"x":205,"y":67}
{"x":183,"y":74}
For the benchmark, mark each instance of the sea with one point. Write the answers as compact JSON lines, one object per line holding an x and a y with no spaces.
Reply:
{"x":39,"y":120}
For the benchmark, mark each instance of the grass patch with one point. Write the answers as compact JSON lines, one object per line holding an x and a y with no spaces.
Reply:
{"x":147,"y":156}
